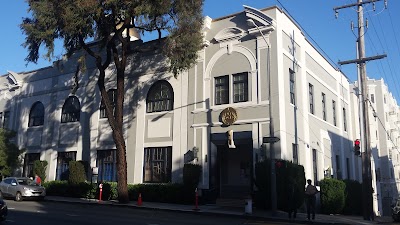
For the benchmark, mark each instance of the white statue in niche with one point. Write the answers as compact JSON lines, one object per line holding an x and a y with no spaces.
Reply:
{"x":231,"y":143}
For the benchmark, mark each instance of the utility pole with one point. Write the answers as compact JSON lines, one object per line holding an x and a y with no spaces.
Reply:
{"x":366,"y":155}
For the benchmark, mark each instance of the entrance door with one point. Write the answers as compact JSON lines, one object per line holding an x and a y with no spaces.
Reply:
{"x":235,"y":171}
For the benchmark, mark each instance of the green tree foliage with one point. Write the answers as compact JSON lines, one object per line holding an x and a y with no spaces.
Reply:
{"x":332,"y":195}
{"x":77,"y":21}
{"x":39,"y":168}
{"x":9,"y":153}
{"x":77,"y":173}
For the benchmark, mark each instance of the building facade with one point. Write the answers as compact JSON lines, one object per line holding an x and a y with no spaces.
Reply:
{"x":257,"y":76}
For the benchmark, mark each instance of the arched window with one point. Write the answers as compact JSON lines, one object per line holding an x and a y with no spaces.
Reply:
{"x":36,"y":115}
{"x":112,"y":95}
{"x":160,"y":97}
{"x":71,"y":110}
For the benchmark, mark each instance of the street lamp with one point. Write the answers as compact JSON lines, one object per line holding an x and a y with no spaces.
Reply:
{"x":271,"y":140}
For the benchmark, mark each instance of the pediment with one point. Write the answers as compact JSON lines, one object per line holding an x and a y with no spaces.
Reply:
{"x":229,"y":34}
{"x":262,"y":21}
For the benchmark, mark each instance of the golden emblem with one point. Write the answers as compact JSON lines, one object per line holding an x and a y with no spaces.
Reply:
{"x":228,"y":116}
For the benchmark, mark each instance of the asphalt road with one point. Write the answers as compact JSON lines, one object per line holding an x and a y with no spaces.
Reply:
{"x":54,"y":213}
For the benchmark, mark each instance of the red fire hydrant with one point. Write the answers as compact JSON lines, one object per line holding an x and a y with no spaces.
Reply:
{"x":101,"y":191}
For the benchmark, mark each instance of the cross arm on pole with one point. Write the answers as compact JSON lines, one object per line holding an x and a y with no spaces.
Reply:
{"x":362,"y":60}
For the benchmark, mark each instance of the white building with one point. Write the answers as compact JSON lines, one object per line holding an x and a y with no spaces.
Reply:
{"x":384,"y":120}
{"x":308,"y":101}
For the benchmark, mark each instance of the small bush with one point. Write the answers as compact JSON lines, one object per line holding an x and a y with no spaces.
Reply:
{"x":332,"y":196}
{"x":39,"y":168}
{"x":76,"y":173}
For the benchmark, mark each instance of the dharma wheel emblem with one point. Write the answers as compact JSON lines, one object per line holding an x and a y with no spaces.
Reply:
{"x":228,"y":116}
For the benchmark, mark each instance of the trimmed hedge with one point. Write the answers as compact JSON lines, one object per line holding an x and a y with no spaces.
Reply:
{"x":290,"y":178}
{"x":167,"y":193}
{"x":39,"y":168}
{"x":332,"y":195}
{"x":77,"y":173}
{"x":353,"y":202}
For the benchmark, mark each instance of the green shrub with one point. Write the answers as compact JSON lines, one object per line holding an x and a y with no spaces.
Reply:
{"x":285,"y":171}
{"x":353,"y":196}
{"x":332,"y":195}
{"x":191,"y":175}
{"x":167,"y":193}
{"x":56,"y":188}
{"x":262,"y":197}
{"x":39,"y":168}
{"x":290,"y":183}
{"x":76,"y":173}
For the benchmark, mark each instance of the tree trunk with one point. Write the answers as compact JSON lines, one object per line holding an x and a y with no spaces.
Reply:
{"x":122,"y":186}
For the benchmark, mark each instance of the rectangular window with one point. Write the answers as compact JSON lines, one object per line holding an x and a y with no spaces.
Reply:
{"x":323,"y":106}
{"x":112,"y":95}
{"x":315,"y":166}
{"x":338,"y":169}
{"x":348,"y":168}
{"x":63,"y":159}
{"x":222,"y":90}
{"x":292,"y":87}
{"x":107,"y":165}
{"x":334,"y":112}
{"x":344,"y":120}
{"x":295,"y":154}
{"x":6,"y":120}
{"x":311,"y":97}
{"x":157,"y":165}
{"x":240,"y":87}
{"x":29,"y":159}
{"x":372,"y":98}
{"x":1,"y":119}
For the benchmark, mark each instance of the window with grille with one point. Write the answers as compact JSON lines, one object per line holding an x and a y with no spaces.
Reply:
{"x":29,"y":159}
{"x":292,"y":87}
{"x":63,"y":159}
{"x":222,"y":90}
{"x":157,"y":165}
{"x":71,"y":110}
{"x":106,"y":162}
{"x":311,"y":97}
{"x":160,"y":97}
{"x":36,"y":115}
{"x":112,"y":95}
{"x":240,"y":87}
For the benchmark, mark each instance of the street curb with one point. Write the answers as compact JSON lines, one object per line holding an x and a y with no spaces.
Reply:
{"x":199,"y":212}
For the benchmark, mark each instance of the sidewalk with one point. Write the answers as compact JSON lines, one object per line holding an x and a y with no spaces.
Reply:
{"x":231,"y":211}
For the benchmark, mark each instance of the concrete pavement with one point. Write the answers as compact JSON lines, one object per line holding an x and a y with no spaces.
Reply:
{"x":216,"y":210}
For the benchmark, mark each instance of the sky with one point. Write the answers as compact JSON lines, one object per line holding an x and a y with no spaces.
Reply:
{"x":334,"y":37}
